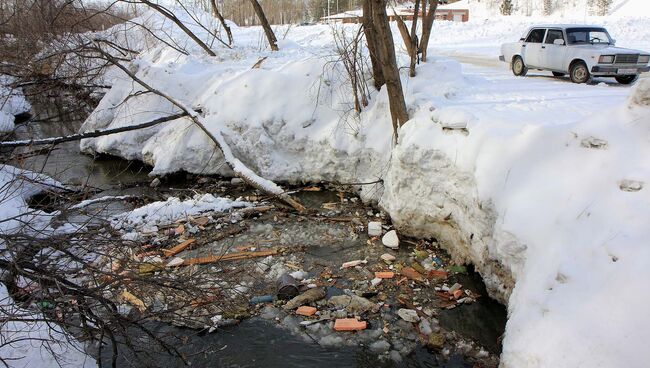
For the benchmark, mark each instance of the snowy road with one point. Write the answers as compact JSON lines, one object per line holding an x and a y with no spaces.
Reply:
{"x":538,"y":98}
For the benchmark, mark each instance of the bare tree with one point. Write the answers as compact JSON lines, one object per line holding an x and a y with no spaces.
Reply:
{"x":428,"y":16}
{"x":388,"y":62}
{"x":224,"y":24}
{"x":414,"y":38}
{"x":270,"y":36}
{"x":373,"y":46}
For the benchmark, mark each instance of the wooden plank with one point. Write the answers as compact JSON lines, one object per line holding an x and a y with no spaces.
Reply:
{"x":179,"y":248}
{"x":229,"y":257}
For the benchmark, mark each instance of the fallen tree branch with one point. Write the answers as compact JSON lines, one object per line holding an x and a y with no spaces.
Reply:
{"x":93,"y":134}
{"x":238,"y":167}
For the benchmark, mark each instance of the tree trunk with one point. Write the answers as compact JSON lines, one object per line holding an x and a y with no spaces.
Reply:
{"x":404,"y":32}
{"x":373,"y":47}
{"x":273,"y":42}
{"x":414,"y":39}
{"x":427,"y":26}
{"x":388,"y":60}
{"x":217,"y":14}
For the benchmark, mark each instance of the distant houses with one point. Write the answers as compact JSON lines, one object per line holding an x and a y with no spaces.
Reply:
{"x":451,"y":12}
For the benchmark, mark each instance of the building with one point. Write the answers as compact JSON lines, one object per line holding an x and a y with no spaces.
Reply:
{"x":444,"y":12}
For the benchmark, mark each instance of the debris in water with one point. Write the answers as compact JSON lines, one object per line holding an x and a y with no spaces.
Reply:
{"x":391,"y":240}
{"x":349,"y":324}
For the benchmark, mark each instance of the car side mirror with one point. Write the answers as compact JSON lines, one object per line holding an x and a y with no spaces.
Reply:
{"x":559,"y":42}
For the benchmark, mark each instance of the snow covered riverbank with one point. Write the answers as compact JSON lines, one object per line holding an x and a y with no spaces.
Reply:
{"x":538,"y":182}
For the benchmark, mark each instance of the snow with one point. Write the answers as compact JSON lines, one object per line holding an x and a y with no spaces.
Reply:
{"x":166,"y":212}
{"x":12,"y":102}
{"x":36,"y":344}
{"x":33,"y":343}
{"x":508,"y":173}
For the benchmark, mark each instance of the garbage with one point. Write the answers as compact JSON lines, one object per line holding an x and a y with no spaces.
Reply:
{"x":349,"y":324}
{"x":454,"y":288}
{"x":287,"y":286}
{"x":133,"y":300}
{"x":391,"y":240}
{"x":416,"y":266}
{"x":149,"y":268}
{"x":309,"y":296}
{"x":351,"y":303}
{"x":229,"y":257}
{"x":412,"y":274}
{"x":436,"y":341}
{"x":155,"y":183}
{"x":384,"y":275}
{"x":458,"y":269}
{"x":457,"y":294}
{"x":409,"y":315}
{"x":200,"y":221}
{"x":354,"y":263}
{"x":374,"y":229}
{"x":387,"y":258}
{"x":375,"y":281}
{"x":179,"y":248}
{"x":176,"y":261}
{"x":299,"y":275}
{"x":236,"y":181}
{"x":437,"y":274}
{"x":261,"y":299}
{"x":180,"y":229}
{"x":306,"y":311}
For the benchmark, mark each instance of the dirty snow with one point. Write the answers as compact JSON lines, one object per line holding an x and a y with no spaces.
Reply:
{"x":492,"y":165}
{"x":148,"y":217}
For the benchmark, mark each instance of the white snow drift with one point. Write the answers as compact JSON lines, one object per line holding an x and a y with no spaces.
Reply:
{"x":540,"y":183}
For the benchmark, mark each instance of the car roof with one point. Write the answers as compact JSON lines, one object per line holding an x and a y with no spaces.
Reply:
{"x":563,"y":26}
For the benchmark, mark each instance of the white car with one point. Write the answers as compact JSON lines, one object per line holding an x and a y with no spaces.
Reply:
{"x":581,"y":51}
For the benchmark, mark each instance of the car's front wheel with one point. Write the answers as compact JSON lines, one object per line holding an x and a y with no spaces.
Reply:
{"x":579,"y":73}
{"x":558,"y":74}
{"x":626,"y":79}
{"x":518,"y":67}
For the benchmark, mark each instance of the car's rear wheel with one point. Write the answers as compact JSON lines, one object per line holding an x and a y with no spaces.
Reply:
{"x":627,"y":79}
{"x":518,"y":67}
{"x":558,"y":74}
{"x":580,"y":73}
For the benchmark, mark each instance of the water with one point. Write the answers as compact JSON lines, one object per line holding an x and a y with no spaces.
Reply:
{"x":254,"y":342}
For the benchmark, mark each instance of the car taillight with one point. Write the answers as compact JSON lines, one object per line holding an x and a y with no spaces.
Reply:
{"x":606,"y":59}
{"x":644,"y":59}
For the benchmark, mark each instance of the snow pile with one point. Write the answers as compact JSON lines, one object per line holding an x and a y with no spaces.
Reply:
{"x":16,"y":187}
{"x":36,"y":344}
{"x":149,"y":217}
{"x":23,"y":342}
{"x":12,"y":102}
{"x":544,"y":191}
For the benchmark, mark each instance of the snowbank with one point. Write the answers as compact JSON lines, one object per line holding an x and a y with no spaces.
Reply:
{"x":540,"y":183}
{"x":35,"y":343}
{"x":12,"y":102}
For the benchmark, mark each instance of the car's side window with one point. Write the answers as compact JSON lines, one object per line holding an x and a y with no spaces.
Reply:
{"x":536,"y":35}
{"x":552,"y":35}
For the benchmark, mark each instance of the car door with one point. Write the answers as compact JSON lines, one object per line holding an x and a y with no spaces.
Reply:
{"x":532,"y":47}
{"x":554,"y":55}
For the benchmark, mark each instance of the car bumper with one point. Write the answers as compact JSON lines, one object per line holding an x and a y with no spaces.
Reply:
{"x":502,"y":58}
{"x":613,"y":70}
